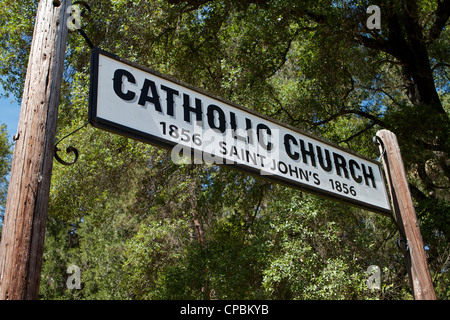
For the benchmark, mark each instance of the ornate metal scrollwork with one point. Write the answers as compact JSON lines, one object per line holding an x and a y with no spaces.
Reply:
{"x":69,"y":149}
{"x":377,"y":140}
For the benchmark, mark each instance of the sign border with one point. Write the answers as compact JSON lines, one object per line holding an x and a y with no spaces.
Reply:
{"x":156,"y":141}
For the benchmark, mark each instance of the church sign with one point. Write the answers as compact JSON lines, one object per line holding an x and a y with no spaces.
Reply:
{"x":143,"y":104}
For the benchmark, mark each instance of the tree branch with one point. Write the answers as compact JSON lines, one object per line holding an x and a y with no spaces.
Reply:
{"x":346,"y":140}
{"x":442,"y":15}
{"x":343,"y":112}
{"x":377,"y":44}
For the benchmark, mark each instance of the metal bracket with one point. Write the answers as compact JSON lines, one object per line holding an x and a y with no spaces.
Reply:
{"x":80,"y":30}
{"x":69,"y":149}
{"x":377,"y":140}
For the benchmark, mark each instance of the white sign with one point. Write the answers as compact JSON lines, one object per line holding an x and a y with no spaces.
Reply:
{"x":140,"y":103}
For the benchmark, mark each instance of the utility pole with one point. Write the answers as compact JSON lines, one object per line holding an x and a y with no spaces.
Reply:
{"x":405,"y":215}
{"x":22,"y":242}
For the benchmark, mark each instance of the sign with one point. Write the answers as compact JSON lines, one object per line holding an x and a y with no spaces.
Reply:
{"x":145,"y":105}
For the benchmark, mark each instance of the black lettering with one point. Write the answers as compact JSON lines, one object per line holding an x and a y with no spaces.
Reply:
{"x":234,"y":127}
{"x":223,"y":145}
{"x":248,"y":124}
{"x":188,"y":109}
{"x":304,"y":175}
{"x":306,"y":153}
{"x":368,"y":176}
{"x":352,"y":164}
{"x":285,"y":170}
{"x":118,"y":82}
{"x":287,"y":146}
{"x":170,"y":93}
{"x":250,"y":156}
{"x":233,"y":152}
{"x":339,"y":162}
{"x":316,"y":178}
{"x":261,"y":157}
{"x":259,"y":129}
{"x":212,"y":110}
{"x":328,"y":167}
{"x":144,"y":98}
{"x":293,"y":170}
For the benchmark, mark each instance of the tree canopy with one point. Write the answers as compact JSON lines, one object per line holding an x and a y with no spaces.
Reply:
{"x":141,"y":227}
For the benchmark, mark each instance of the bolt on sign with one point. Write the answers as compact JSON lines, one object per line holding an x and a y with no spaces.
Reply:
{"x":140,"y":103}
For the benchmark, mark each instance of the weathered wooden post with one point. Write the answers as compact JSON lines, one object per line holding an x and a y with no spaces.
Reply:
{"x":405,"y":214}
{"x":23,"y":234}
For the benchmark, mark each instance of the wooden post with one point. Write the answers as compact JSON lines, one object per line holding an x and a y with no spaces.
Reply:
{"x":405,"y":214}
{"x":22,"y":242}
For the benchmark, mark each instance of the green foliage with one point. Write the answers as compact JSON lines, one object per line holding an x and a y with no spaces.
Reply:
{"x":151,"y":260}
{"x":16,"y":30}
{"x":129,"y":218}
{"x":323,"y":254}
